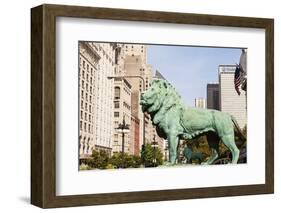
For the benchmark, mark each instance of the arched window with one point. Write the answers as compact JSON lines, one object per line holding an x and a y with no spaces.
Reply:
{"x":117,"y":92}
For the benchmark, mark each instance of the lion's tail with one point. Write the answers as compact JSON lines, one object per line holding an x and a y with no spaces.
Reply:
{"x":238,"y":129}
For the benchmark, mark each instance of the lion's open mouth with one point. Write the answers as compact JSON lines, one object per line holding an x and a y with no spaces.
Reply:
{"x":144,"y":105}
{"x":142,"y":102}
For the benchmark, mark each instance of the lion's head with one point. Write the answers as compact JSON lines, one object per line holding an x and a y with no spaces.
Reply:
{"x":153,"y":98}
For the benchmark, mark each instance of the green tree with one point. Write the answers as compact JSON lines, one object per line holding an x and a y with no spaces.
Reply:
{"x":152,"y":156}
{"x":125,"y":160}
{"x":116,"y":160}
{"x":98,"y":159}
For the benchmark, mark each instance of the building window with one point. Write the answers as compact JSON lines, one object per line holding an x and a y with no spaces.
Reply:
{"x":81,"y":114}
{"x":86,"y":96}
{"x":90,"y":108}
{"x":85,"y":125}
{"x":82,"y":84}
{"x":87,"y":67}
{"x":116,"y":114}
{"x":86,"y":106}
{"x":83,"y":64}
{"x":82,"y":94}
{"x":80,"y":125}
{"x":82,"y":104}
{"x":89,"y":128}
{"x":116,"y":104}
{"x":90,"y":118}
{"x":90,"y":99}
{"x":85,"y":116}
{"x":117,"y":92}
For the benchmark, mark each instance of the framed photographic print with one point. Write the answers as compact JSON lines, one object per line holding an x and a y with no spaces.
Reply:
{"x":136,"y":106}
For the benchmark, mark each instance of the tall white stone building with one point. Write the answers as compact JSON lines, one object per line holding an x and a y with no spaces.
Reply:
{"x":88,"y":68}
{"x":136,"y":50}
{"x":122,"y":111}
{"x":104,"y":101}
{"x":96,"y":63}
{"x":104,"y":97}
{"x":229,"y":100}
{"x":200,"y":103}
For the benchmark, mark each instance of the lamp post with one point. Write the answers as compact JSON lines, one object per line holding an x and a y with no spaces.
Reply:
{"x":154,"y":144}
{"x":123,"y":128}
{"x":166,"y":151}
{"x":143,"y":82}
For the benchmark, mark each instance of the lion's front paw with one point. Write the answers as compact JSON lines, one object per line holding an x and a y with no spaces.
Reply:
{"x":168,"y":164}
{"x":205,"y":163}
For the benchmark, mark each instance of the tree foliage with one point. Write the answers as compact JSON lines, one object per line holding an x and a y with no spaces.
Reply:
{"x":151,"y":156}
{"x":102,"y":160}
{"x":98,"y":159}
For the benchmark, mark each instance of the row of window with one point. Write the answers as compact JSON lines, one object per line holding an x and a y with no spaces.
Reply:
{"x":108,"y":57}
{"x":87,"y":96}
{"x":86,"y":128}
{"x":85,"y":107}
{"x":86,"y":66}
{"x":132,"y":54}
{"x":86,"y":116}
{"x":87,"y":86}
{"x":126,"y":105}
{"x":117,"y":105}
{"x":117,"y":92}
{"x":88,"y":78}
{"x":127,"y":91}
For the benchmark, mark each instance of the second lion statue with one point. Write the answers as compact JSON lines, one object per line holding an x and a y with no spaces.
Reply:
{"x":175,"y":121}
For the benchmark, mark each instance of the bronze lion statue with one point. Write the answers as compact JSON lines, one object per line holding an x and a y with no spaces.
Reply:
{"x":175,"y":121}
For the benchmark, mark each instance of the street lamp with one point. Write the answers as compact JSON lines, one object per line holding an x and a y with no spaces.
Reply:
{"x":124,"y":129}
{"x":143,"y":82}
{"x":154,"y":144}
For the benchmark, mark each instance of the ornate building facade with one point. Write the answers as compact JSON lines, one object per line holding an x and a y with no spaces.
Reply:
{"x":96,"y":62}
{"x":106,"y":100}
{"x":122,"y":112}
{"x":230,"y":101}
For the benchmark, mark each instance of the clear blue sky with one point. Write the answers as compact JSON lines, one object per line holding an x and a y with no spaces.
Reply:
{"x":189,"y":69}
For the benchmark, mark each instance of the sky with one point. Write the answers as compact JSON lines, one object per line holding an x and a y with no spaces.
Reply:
{"x":189,"y":69}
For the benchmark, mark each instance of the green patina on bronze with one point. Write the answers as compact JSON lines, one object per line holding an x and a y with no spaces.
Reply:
{"x":174,"y":120}
{"x":190,"y":155}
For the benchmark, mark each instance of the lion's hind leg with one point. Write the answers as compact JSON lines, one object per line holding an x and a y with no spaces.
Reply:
{"x":212,"y":158}
{"x":213,"y":141}
{"x":228,"y":140}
